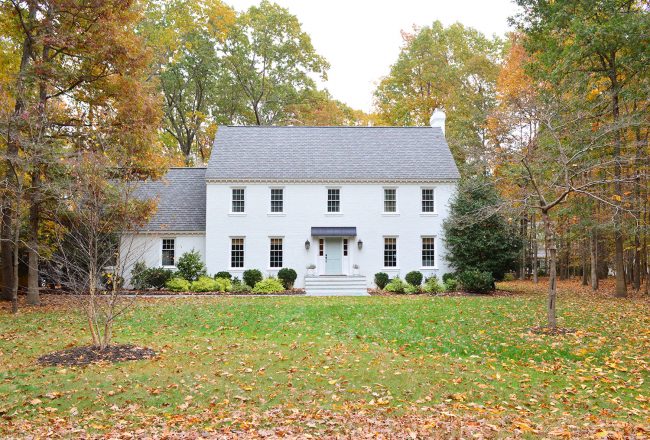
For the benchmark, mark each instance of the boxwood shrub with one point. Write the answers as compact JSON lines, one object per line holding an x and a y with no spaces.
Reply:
{"x":223,"y":274}
{"x":252,"y":277}
{"x":288,"y":277}
{"x":414,"y":278}
{"x":474,"y":280}
{"x":381,"y":279}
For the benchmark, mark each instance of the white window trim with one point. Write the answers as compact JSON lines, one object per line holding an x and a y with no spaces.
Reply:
{"x":268,"y":254}
{"x":276,"y":214}
{"x":433,"y":213}
{"x":435,"y":252}
{"x":397,"y":253}
{"x":340,"y":211}
{"x":161,"y":253}
{"x":383,"y":202}
{"x":235,"y":269}
{"x":230,"y":211}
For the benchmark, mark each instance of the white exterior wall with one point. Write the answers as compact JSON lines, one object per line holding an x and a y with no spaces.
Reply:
{"x":148,"y":248}
{"x":305,"y":205}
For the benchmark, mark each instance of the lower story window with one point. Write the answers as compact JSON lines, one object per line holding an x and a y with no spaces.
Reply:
{"x":168,"y":245}
{"x":237,"y":252}
{"x":428,"y":252}
{"x":390,"y":252}
{"x":345,"y":247}
{"x":321,"y":247}
{"x":276,"y":252}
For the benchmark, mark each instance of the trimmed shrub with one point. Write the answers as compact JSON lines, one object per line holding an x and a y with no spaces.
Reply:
{"x":414,"y":278}
{"x":252,"y":277}
{"x":411,"y":289}
{"x":138,"y":278}
{"x":238,"y":286}
{"x":204,"y":284}
{"x":509,"y":277}
{"x":224,"y":274}
{"x":474,"y":280}
{"x":268,"y":285}
{"x":447,"y":276}
{"x":288,"y":277}
{"x":451,"y":285}
{"x":381,"y":279}
{"x":432,"y":285}
{"x":396,"y":285}
{"x":223,"y":285}
{"x":157,"y":277}
{"x":178,"y":285}
{"x":190,"y":266}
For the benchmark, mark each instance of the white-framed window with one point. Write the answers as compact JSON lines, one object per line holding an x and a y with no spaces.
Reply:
{"x":237,"y":252}
{"x":390,"y":199}
{"x":238,"y":200}
{"x":275,"y":259}
{"x":428,"y":251}
{"x":321,"y":247}
{"x":345,"y":247}
{"x":168,"y":249}
{"x":390,"y":251}
{"x":333,"y":200}
{"x":277,"y":200}
{"x":428,"y":200}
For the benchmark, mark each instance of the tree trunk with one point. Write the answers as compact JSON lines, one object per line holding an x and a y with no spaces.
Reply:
{"x":535,"y":248}
{"x":593,"y":253}
{"x":585,"y":271}
{"x":552,"y":280}
{"x":33,"y":291}
{"x":621,"y":287}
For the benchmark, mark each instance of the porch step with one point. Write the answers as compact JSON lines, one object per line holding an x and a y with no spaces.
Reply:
{"x":336,"y":285}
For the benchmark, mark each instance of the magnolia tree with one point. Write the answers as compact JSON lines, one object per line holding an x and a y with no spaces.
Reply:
{"x":91,"y":253}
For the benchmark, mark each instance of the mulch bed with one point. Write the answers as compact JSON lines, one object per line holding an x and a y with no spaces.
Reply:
{"x":90,"y":354}
{"x":377,"y":292}
{"x":292,"y":292}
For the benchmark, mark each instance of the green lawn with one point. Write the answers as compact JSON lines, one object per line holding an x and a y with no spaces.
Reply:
{"x":392,"y":356}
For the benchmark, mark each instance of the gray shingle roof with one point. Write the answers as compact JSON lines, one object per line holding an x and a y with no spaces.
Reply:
{"x":331,"y":154}
{"x":181,"y":200}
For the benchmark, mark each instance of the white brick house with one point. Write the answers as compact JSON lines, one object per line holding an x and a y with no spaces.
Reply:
{"x":352,"y":201}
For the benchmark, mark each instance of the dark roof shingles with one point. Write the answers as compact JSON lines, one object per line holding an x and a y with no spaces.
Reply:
{"x":331,"y":153}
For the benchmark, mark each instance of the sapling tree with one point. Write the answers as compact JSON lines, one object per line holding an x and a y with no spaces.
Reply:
{"x":92,"y":253}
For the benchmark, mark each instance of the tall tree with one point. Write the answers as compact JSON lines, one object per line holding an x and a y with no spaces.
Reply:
{"x":272,"y":62}
{"x":603,"y":45}
{"x":81,"y":84}
{"x":186,"y":37}
{"x":451,"y":67}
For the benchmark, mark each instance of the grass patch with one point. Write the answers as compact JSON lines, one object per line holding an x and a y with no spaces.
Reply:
{"x":391,"y":354}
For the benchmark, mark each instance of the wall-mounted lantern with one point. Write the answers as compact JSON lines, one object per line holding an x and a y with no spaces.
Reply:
{"x":360,"y":244}
{"x":307,"y":244}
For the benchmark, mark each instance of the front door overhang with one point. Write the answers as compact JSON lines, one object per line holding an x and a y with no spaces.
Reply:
{"x":333,"y":231}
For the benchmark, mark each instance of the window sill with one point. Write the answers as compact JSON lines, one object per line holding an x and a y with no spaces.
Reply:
{"x":276,"y":214}
{"x":429,"y":268}
{"x":390,"y":214}
{"x":333,"y":214}
{"x":168,"y":267}
{"x":391,"y":269}
{"x":428,"y":214}
{"x":236,"y":214}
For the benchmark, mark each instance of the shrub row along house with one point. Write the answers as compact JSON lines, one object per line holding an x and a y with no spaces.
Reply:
{"x":337,"y":204}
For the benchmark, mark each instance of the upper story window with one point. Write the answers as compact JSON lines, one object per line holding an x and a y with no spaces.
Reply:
{"x":237,"y":252}
{"x":428,"y":252}
{"x":390,"y":251}
{"x":333,"y":200}
{"x":276,"y":252}
{"x":390,"y":200}
{"x":168,"y":246}
{"x":238,"y":200}
{"x":428,"y":202}
{"x":277,"y":200}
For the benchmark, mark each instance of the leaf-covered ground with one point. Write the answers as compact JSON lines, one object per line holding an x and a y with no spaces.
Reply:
{"x":377,"y":366}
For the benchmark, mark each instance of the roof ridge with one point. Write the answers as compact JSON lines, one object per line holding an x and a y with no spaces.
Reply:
{"x":328,"y":126}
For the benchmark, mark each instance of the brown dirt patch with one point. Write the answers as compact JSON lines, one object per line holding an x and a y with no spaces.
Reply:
{"x":90,"y":354}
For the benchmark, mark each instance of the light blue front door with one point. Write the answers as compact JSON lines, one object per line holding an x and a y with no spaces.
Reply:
{"x":333,"y":256}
